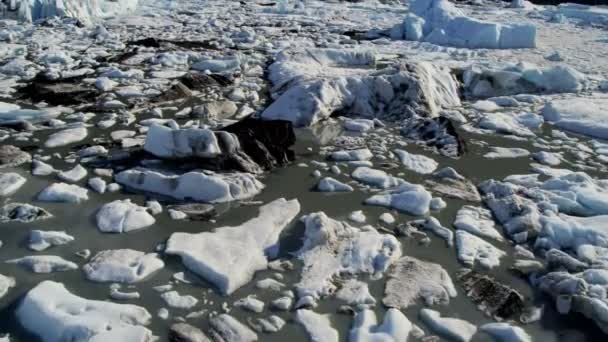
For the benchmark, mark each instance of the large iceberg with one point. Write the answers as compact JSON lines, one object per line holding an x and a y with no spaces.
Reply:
{"x":84,"y":10}
{"x":441,"y":22}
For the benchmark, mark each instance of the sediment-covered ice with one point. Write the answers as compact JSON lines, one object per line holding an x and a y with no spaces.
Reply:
{"x":228,"y":329}
{"x":228,"y":257}
{"x":54,"y":314}
{"x":199,"y":186}
{"x":122,"y":266}
{"x":411,"y":280}
{"x":333,"y":247}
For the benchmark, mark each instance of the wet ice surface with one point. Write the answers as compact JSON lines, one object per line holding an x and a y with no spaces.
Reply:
{"x":152,"y":204}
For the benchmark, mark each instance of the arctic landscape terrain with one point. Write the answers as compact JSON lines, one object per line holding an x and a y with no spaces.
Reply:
{"x":302,"y":170}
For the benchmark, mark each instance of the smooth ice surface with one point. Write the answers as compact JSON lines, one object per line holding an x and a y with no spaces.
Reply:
{"x":228,"y":257}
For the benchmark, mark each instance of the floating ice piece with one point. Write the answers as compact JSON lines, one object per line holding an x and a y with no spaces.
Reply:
{"x":477,"y":221}
{"x":218,"y":65}
{"x":504,"y":332}
{"x":177,"y":301}
{"x":376,"y":178}
{"x":472,"y":250}
{"x":587,"y":116}
{"x":122,"y":266}
{"x":432,"y":224}
{"x":395,"y":327}
{"x":250,"y":303}
{"x":359,"y":125}
{"x":515,"y":124}
{"x":66,"y":137}
{"x":54,"y":314}
{"x":454,"y":329}
{"x":410,"y":280}
{"x":40,"y":168}
{"x":22,"y":212}
{"x":506,"y":152}
{"x":228,"y":257}
{"x":12,"y":113}
{"x":332,"y":247}
{"x":44,"y":263}
{"x":408,"y":198}
{"x":547,"y":158}
{"x":226,"y":328}
{"x":416,"y":162}
{"x":40,"y":240}
{"x":352,"y":155}
{"x":10,"y":183}
{"x":199,"y":186}
{"x":6,"y":283}
{"x":74,"y":175}
{"x":441,"y":22}
{"x":122,"y":216}
{"x":317,"y":326}
{"x":329,"y":184}
{"x":63,"y":192}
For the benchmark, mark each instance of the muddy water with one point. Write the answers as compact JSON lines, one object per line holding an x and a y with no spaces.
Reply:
{"x":289,"y":182}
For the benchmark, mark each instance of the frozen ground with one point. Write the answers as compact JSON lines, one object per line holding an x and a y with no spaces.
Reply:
{"x":303,"y":170}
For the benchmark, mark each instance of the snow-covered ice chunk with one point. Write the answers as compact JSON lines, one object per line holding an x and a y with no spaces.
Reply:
{"x":317,"y":326}
{"x":441,"y":22}
{"x":329,"y":184}
{"x":472,"y":249}
{"x":409,"y":198}
{"x":355,"y":292}
{"x":395,"y":327}
{"x":416,"y":162}
{"x":40,"y":240}
{"x":228,"y":257}
{"x":332,"y":247}
{"x":74,"y":175}
{"x":6,"y":283}
{"x":54,"y":314}
{"x":63,"y":192}
{"x":587,"y":116}
{"x":376,"y":178}
{"x":505,"y":332}
{"x":410,"y":280}
{"x":454,"y":329}
{"x":66,"y":137}
{"x":352,"y":155}
{"x":199,"y":186}
{"x":122,"y":266}
{"x":506,"y":152}
{"x":177,"y":301}
{"x":44,"y":263}
{"x":10,"y":183}
{"x":122,"y":216}
{"x":250,"y":303}
{"x":477,"y":221}
{"x":165,"y":142}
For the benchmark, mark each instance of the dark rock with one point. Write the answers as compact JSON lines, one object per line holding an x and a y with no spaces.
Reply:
{"x":198,"y":81}
{"x":267,"y":143}
{"x":182,"y":332}
{"x":196,"y":211}
{"x":495,"y":299}
{"x":438,"y":133}
{"x":146,"y":42}
{"x":64,"y":92}
{"x":11,"y":156}
{"x":22,"y":212}
{"x":176,"y":92}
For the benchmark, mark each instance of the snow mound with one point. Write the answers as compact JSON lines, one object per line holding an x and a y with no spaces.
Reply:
{"x":332,"y":248}
{"x":122,"y":266}
{"x":310,"y":85}
{"x":54,"y":314}
{"x":441,"y":22}
{"x":228,"y":257}
{"x":199,"y":186}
